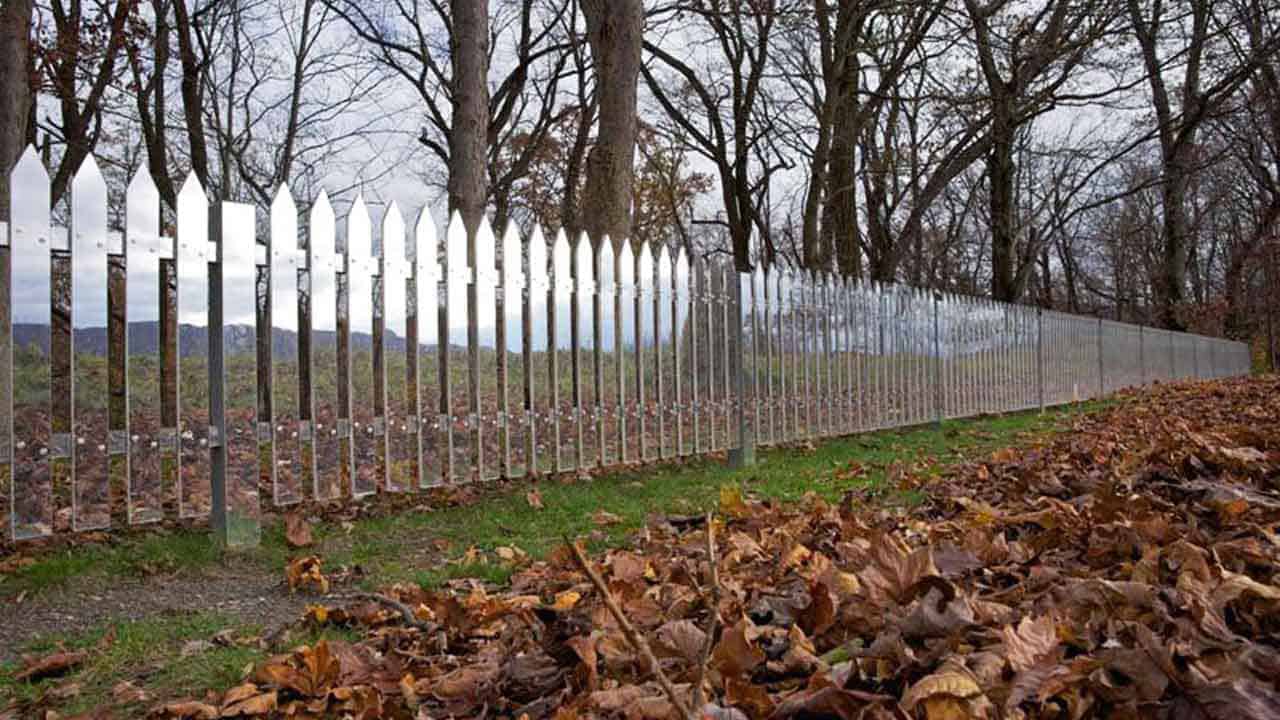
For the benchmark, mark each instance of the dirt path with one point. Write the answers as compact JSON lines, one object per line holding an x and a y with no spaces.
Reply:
{"x":249,"y":595}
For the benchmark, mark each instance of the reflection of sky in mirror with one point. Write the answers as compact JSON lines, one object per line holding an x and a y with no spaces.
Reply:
{"x":144,"y":249}
{"x":29,"y":238}
{"x":89,"y":247}
{"x":323,"y":268}
{"x":239,"y":265}
{"x":428,"y":274}
{"x":395,"y":272}
{"x":486,"y":280}
{"x":512,"y":282}
{"x":538,"y":287}
{"x":193,"y":269}
{"x":360,"y":268}
{"x":457,"y":272}
{"x":285,"y":262}
{"x":561,"y":277}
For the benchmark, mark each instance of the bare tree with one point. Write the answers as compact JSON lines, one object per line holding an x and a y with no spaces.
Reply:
{"x":1182,"y":37}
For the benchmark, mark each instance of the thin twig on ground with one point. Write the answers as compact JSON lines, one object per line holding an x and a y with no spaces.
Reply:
{"x":713,"y":621}
{"x":633,"y":636}
{"x":406,"y":612}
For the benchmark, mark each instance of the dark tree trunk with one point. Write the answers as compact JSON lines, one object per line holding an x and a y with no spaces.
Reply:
{"x":615,"y":29}
{"x":468,"y":183}
{"x":15,"y":89}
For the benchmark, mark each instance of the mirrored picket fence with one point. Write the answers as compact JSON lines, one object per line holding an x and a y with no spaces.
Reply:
{"x":214,"y":367}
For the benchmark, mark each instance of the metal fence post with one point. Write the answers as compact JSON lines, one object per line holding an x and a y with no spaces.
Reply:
{"x":1102,"y":377}
{"x":744,"y":455}
{"x":1142,"y":353}
{"x":217,"y":410}
{"x":937,"y":365}
{"x":1040,"y":357}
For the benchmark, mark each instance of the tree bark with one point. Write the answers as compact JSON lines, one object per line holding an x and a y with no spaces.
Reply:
{"x":468,"y":179}
{"x":15,"y":89}
{"x":615,"y":29}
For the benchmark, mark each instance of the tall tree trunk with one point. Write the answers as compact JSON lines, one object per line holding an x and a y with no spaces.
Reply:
{"x":15,"y":89}
{"x":840,"y":217}
{"x":615,"y":29}
{"x":1001,"y":176}
{"x":469,"y":45}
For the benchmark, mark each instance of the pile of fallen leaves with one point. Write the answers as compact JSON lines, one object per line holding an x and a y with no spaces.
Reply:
{"x":1127,"y":569}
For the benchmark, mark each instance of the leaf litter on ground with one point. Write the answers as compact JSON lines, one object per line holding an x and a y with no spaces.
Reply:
{"x":1126,"y":569}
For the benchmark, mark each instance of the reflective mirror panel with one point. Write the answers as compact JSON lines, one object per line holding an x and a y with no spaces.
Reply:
{"x":684,"y":364}
{"x":488,"y":436}
{"x":566,"y":420}
{"x":399,"y":358}
{"x":144,"y":249}
{"x":367,"y":436}
{"x":427,"y":282}
{"x":194,"y":420}
{"x":457,"y":373}
{"x":31,"y":294}
{"x":238,"y":251}
{"x":628,"y":370}
{"x":646,"y":355}
{"x":665,"y":357}
{"x":289,"y":482}
{"x":540,"y":376}
{"x":91,"y":498}
{"x":512,"y":370}
{"x":610,"y":354}
{"x":586,"y":358}
{"x":325,"y":394}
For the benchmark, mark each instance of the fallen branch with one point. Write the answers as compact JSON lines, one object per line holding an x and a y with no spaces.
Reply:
{"x":633,"y":636}
{"x":713,"y":622}
{"x":406,"y":612}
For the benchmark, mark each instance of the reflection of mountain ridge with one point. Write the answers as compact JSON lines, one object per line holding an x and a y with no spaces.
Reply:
{"x":144,"y":338}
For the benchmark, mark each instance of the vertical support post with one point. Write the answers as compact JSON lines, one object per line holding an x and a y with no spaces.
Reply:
{"x":937,"y":365}
{"x":1102,"y":376}
{"x":1040,"y":358}
{"x":744,"y":455}
{"x":217,"y":409}
{"x":1142,"y":352}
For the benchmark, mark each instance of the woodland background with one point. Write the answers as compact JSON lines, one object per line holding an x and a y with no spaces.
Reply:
{"x":1109,"y":157}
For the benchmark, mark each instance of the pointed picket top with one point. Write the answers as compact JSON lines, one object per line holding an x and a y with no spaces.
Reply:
{"x":455,"y":251}
{"x":322,"y":241}
{"x":664,"y":270}
{"x":626,"y":264}
{"x":27,"y":172}
{"x":512,"y":257}
{"x":88,"y":179}
{"x":284,"y":223}
{"x":645,"y":267}
{"x":359,"y":230}
{"x":192,"y":189}
{"x":392,"y":245}
{"x":561,"y":269}
{"x":425,"y":248}
{"x":606,"y":267}
{"x":537,"y":259}
{"x":486,"y":252}
{"x":682,"y":272}
{"x":585,"y":259}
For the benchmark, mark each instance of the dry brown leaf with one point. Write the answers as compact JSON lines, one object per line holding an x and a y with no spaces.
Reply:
{"x":297,"y":531}
{"x":51,"y":665}
{"x":304,"y":574}
{"x":534,"y":498}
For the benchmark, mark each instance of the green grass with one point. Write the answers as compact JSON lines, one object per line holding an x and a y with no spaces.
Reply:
{"x":384,"y":547}
{"x":148,"y":653}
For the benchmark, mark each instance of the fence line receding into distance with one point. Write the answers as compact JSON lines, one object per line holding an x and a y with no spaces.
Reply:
{"x":145,"y":373}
